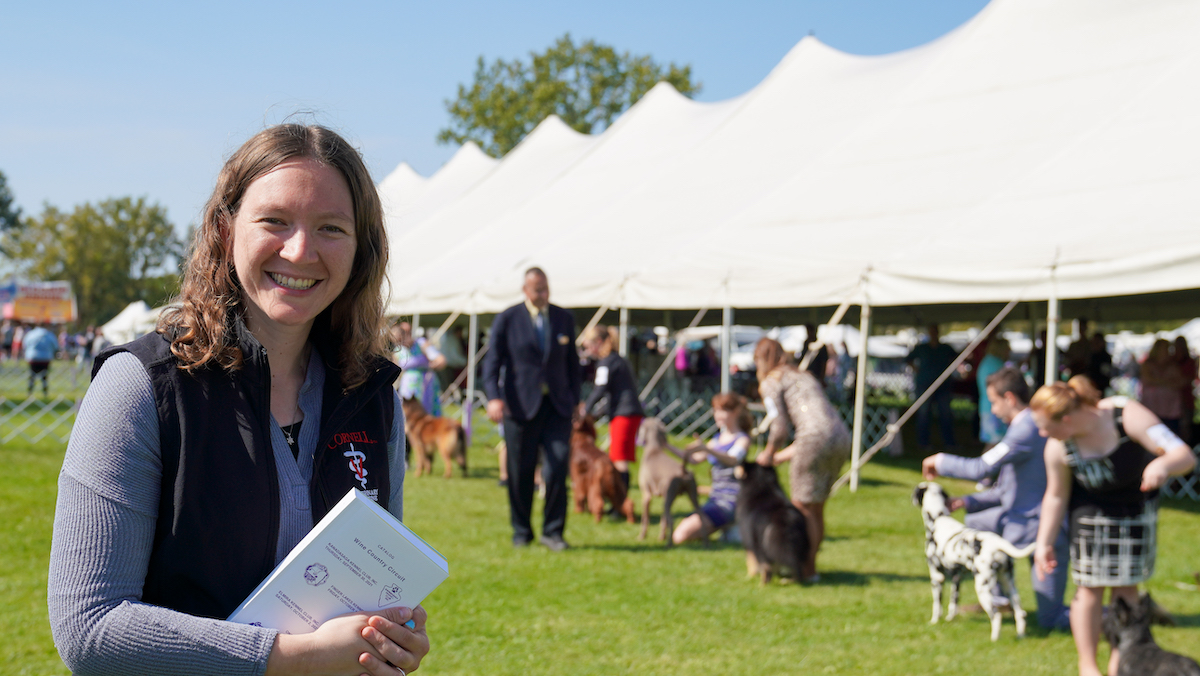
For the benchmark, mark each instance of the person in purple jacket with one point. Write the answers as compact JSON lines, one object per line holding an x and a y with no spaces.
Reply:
{"x":1012,"y":505}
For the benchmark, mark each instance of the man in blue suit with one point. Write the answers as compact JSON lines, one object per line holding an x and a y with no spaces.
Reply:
{"x":531,"y":378}
{"x":1013,"y":504}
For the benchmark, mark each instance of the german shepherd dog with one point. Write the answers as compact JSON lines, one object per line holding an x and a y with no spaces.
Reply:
{"x":1127,"y":628}
{"x":593,"y":476}
{"x":426,"y":433}
{"x":773,"y":531}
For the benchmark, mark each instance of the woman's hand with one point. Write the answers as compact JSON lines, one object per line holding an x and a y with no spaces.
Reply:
{"x":400,"y":645}
{"x":1155,"y":474}
{"x":698,"y":457}
{"x":354,"y":644}
{"x":783,"y":456}
{"x":1044,"y":560}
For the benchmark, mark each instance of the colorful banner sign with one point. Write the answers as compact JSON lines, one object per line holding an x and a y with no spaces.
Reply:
{"x":42,"y":302}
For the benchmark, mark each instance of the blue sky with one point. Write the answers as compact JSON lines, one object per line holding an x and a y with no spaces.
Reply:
{"x":146,"y":99}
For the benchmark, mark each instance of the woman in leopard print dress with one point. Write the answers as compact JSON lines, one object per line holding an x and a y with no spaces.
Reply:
{"x":821,"y":443}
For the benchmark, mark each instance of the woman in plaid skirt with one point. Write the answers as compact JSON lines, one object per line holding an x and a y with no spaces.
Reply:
{"x":1105,"y":461}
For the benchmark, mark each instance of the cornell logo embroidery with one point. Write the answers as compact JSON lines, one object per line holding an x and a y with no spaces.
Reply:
{"x":353,"y":441}
{"x":356,"y":465}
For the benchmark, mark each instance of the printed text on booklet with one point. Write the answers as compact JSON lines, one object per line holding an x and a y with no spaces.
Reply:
{"x":358,"y":558}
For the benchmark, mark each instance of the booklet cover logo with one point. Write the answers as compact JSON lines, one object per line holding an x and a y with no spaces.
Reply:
{"x":390,"y":595}
{"x":316,"y":574}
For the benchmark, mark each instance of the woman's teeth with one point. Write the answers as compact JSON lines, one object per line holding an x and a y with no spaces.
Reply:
{"x":292,"y":282}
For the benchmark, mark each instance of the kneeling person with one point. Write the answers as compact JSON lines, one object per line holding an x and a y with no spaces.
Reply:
{"x":724,"y":452}
{"x":1011,"y":507}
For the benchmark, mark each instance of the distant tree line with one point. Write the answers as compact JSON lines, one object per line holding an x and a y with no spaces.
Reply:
{"x":113,"y":252}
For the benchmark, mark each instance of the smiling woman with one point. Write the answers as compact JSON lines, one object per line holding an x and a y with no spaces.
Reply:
{"x":293,"y":245}
{"x":204,"y":452}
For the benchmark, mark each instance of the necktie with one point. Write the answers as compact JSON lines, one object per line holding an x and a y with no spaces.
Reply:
{"x":541,"y":331}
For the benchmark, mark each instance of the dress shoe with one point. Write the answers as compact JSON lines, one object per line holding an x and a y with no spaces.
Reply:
{"x":521,"y":541}
{"x":555,"y":543}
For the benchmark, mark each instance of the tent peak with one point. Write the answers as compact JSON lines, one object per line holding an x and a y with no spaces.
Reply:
{"x":403,"y":174}
{"x":468,"y":158}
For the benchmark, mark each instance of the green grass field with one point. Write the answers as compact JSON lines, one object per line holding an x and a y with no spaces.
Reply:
{"x":613,"y":605}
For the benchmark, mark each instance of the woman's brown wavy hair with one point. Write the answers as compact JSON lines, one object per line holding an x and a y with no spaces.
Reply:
{"x":201,"y":325}
{"x":769,"y":354}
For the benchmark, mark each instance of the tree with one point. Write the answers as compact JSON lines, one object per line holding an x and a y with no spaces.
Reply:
{"x":587,"y":85}
{"x":10,"y":215}
{"x":113,"y":253}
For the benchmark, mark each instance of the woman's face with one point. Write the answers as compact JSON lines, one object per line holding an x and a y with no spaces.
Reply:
{"x":1061,"y":429}
{"x":724,"y":418}
{"x":592,"y":346}
{"x":293,"y":244}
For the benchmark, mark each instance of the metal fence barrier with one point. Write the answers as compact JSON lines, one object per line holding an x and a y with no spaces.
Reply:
{"x":33,"y":414}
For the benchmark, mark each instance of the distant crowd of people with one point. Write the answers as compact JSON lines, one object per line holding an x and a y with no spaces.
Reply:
{"x":38,"y":345}
{"x":17,"y":337}
{"x":1166,"y":379}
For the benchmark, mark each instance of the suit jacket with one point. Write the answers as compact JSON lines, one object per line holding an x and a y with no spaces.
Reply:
{"x":516,"y":368}
{"x":1018,"y":464}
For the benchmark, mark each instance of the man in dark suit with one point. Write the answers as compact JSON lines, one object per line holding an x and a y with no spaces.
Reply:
{"x":531,"y":378}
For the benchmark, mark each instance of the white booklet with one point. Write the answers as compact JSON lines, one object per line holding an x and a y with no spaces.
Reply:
{"x":358,"y":558}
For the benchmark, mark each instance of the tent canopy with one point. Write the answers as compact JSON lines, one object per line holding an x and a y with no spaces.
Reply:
{"x":1045,"y":148}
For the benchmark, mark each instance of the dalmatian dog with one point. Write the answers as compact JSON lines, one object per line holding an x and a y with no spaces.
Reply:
{"x":953,"y":550}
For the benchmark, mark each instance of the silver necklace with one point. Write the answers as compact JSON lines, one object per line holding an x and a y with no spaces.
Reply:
{"x":287,"y":434}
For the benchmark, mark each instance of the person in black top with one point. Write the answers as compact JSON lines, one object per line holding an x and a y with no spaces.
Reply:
{"x":1105,"y":462}
{"x":614,"y":383}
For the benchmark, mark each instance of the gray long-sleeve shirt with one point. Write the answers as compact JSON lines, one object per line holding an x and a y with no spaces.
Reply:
{"x":104,"y":527}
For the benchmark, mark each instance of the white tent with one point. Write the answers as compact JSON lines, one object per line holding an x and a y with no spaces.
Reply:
{"x":137,"y":319}
{"x":1044,"y":149}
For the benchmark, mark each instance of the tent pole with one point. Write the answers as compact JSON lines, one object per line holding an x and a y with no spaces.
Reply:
{"x":1052,"y":339}
{"x":416,"y":322}
{"x":860,"y":394}
{"x":726,"y":330}
{"x":623,"y":342}
{"x":472,"y":351}
{"x":437,"y":336}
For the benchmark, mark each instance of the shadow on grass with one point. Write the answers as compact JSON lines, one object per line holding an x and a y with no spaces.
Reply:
{"x":1187,"y":620}
{"x":858,"y":579}
{"x":868,"y":481}
{"x":650,"y":547}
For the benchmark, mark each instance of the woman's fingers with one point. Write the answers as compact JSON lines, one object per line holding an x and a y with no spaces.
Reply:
{"x":389,"y":633}
{"x":377,"y":667}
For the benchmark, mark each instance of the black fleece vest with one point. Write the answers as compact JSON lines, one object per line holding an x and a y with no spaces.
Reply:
{"x":218,"y":514}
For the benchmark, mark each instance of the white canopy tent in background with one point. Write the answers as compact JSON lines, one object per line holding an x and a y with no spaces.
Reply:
{"x":136,"y":320}
{"x":1045,"y":148}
